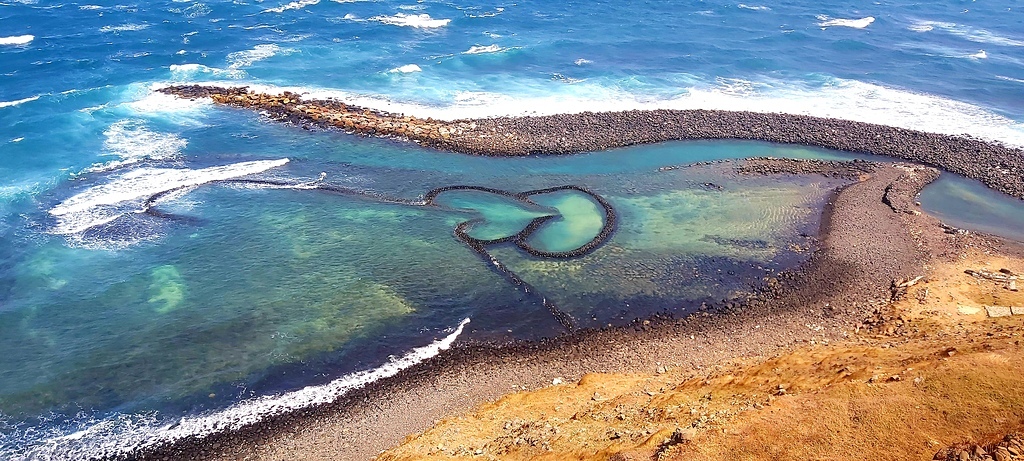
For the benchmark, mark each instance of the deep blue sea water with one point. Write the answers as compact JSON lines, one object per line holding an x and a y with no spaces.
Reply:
{"x":118,"y":328}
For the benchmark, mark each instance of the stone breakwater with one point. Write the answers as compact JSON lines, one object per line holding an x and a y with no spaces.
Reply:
{"x":997,"y":166}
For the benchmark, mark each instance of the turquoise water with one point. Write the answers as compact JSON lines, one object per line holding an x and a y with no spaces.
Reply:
{"x":501,"y":216}
{"x":580,"y":218}
{"x":119,"y":317}
{"x":968,"y":204}
{"x":236,"y":290}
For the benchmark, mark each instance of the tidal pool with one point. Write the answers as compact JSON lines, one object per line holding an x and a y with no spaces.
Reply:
{"x":968,"y":204}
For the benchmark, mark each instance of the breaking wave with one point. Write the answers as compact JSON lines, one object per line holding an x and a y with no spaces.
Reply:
{"x":406,"y":69}
{"x":18,"y":102}
{"x":838,"y":22}
{"x":118,"y":435}
{"x":126,"y":194}
{"x":820,"y":96}
{"x":478,"y":49}
{"x":419,"y":21}
{"x":292,"y":6}
{"x":17,"y":40}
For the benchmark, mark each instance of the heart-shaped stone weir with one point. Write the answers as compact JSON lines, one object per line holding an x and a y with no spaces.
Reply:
{"x":560,"y":222}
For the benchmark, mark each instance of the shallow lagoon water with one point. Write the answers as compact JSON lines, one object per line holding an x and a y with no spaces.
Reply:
{"x":231,"y":291}
{"x":240,"y":290}
{"x":579,"y":220}
{"x":968,"y":204}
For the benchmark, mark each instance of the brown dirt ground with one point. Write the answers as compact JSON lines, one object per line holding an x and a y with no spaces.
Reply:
{"x":933,"y":371}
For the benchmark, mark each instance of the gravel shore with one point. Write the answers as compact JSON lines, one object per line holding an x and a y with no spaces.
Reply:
{"x":999,"y":167}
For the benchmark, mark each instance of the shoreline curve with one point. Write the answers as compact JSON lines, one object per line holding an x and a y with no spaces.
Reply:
{"x":998,"y":166}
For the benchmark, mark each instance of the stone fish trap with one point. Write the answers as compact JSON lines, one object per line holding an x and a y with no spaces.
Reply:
{"x":520,"y":238}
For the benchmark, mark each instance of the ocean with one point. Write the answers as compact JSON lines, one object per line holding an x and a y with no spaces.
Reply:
{"x":146,"y":294}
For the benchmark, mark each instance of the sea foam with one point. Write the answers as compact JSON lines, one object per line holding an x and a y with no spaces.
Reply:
{"x":419,"y":21}
{"x":969,"y":33}
{"x":126,"y":193}
{"x":821,"y":97}
{"x":131,"y":142}
{"x":292,"y":6}
{"x":479,"y":49}
{"x":124,"y":28}
{"x":17,"y":40}
{"x":181,"y":72}
{"x":838,"y":22}
{"x":406,"y":69}
{"x":18,"y":102}
{"x":119,"y":435}
{"x":246,"y":58}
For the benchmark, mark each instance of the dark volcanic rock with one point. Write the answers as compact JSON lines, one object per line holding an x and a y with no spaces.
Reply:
{"x":998,"y":166}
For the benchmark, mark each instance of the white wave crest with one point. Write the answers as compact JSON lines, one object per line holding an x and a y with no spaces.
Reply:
{"x":292,"y":6}
{"x":819,"y":96}
{"x":921,"y":27}
{"x":581,"y":61}
{"x":180,"y":72}
{"x":124,"y":28}
{"x":18,"y":102}
{"x":753,"y":7}
{"x":981,"y":54}
{"x":838,"y":22}
{"x":973,"y":34}
{"x":118,"y":436}
{"x":479,"y":49}
{"x":489,"y":14}
{"x":406,"y":69}
{"x":145,"y":101}
{"x":246,"y":58}
{"x":1010,"y":79}
{"x":131,"y":142}
{"x":197,"y":10}
{"x":17,"y":40}
{"x":419,"y":21}
{"x":126,"y":193}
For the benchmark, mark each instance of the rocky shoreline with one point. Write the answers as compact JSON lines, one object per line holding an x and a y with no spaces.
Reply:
{"x":998,"y":166}
{"x":868,"y":245}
